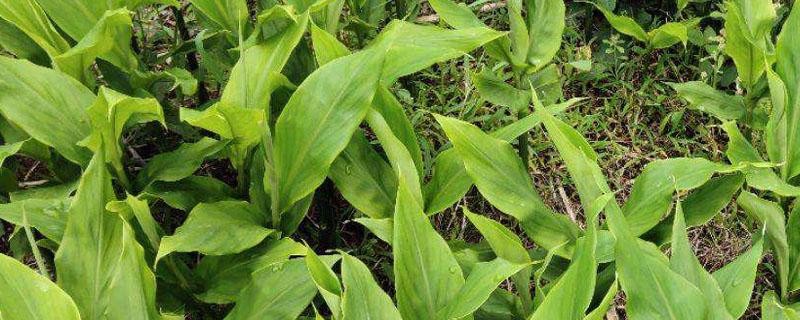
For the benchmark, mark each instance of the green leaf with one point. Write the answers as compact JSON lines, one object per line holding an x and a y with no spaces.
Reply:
{"x":99,"y":263}
{"x":599,"y":313}
{"x":481,"y":282}
{"x":219,"y":228}
{"x":48,"y":216}
{"x":652,"y":190}
{"x":685,"y":263}
{"x":669,"y":34}
{"x":772,"y":309}
{"x":413,"y":47}
{"x":318,"y":122}
{"x":186,"y":193}
{"x":545,"y":27}
{"x":704,"y":98}
{"x":741,"y":153}
{"x":398,"y":154}
{"x":112,"y":112}
{"x":364,"y":178}
{"x":363,"y":298}
{"x":16,"y":42}
{"x":28,"y":17}
{"x":223,"y":277}
{"x":624,"y":25}
{"x":771,"y":216}
{"x":570,"y":297}
{"x":327,"y":283}
{"x":504,"y":242}
{"x":10,"y":149}
{"x":382,"y":228}
{"x":788,"y":68}
{"x":30,"y":296}
{"x":281,"y":292}
{"x":793,"y":240}
{"x":257,"y":73}
{"x":427,"y":276}
{"x":46,"y":104}
{"x":748,"y":58}
{"x":99,"y":41}
{"x":393,"y":112}
{"x":503,"y":180}
{"x":244,"y":126}
{"x":737,"y":279}
{"x":326,"y":47}
{"x":178,"y":164}
{"x":499,"y":92}
{"x":228,"y":15}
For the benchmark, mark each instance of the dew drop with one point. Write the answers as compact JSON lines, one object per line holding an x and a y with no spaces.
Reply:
{"x":453,"y":269}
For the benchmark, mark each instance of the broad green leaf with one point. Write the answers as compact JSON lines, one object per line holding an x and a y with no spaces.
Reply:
{"x":571,"y":295}
{"x":793,"y":240}
{"x":280,"y":291}
{"x":398,"y":154}
{"x":393,"y":112}
{"x":775,"y":133}
{"x":46,"y":104}
{"x":481,"y":282}
{"x":640,"y":266}
{"x":669,"y":34}
{"x":326,"y":47}
{"x":10,"y":149}
{"x":186,"y":193}
{"x":652,"y":190}
{"x":771,"y":216}
{"x":16,"y":42}
{"x":499,"y":92}
{"x":327,"y":283}
{"x":741,"y":152}
{"x":28,"y":17}
{"x":748,"y":58}
{"x":31,"y":296}
{"x":381,"y":228}
{"x":363,"y":298}
{"x":48,"y":216}
{"x":110,"y":113}
{"x":546,"y":26}
{"x":518,"y":33}
{"x":318,"y":122}
{"x":413,"y":47}
{"x":178,"y":164}
{"x":228,"y":15}
{"x":99,"y":263}
{"x":136,"y":209}
{"x":504,"y":242}
{"x":243,"y":126}
{"x":737,"y":279}
{"x":772,"y":309}
{"x":77,"y":18}
{"x":58,"y":191}
{"x":461,"y":17}
{"x":503,"y":180}
{"x":219,"y":228}
{"x":223,"y":277}
{"x":427,"y":276}
{"x":623,"y":24}
{"x":788,"y":68}
{"x":599,"y":313}
{"x":684,"y":262}
{"x":704,"y":98}
{"x":257,"y":73}
{"x":450,"y":181}
{"x":99,"y":41}
{"x":758,"y":17}
{"x":708,"y":200}
{"x":364,"y":178}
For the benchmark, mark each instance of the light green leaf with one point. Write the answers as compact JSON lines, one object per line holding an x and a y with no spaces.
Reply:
{"x":318,"y":122}
{"x":326,"y":47}
{"x":48,"y":216}
{"x":737,"y":279}
{"x":30,"y":296}
{"x":281,"y":292}
{"x":363,"y":298}
{"x":546,"y":26}
{"x":669,"y":34}
{"x":112,"y":112}
{"x":186,"y":193}
{"x":244,"y":126}
{"x":504,"y":242}
{"x":178,"y":164}
{"x":228,"y":15}
{"x":704,"y":98}
{"x":771,"y":216}
{"x":223,"y":277}
{"x":46,"y":104}
{"x":571,"y":295}
{"x":398,"y":154}
{"x":741,"y":152}
{"x":623,"y":24}
{"x":499,"y":92}
{"x":427,"y":276}
{"x":393,"y":112}
{"x":219,"y":228}
{"x":327,"y":283}
{"x":382,"y":228}
{"x":99,"y":263}
{"x":10,"y":149}
{"x":772,"y":309}
{"x":364,"y":178}
{"x":503,"y":180}
{"x":788,"y":68}
{"x":16,"y":42}
{"x":599,"y":313}
{"x":28,"y":17}
{"x":481,"y":282}
{"x":748,"y":58}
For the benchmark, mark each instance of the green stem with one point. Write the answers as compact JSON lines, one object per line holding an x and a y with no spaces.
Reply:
{"x":37,"y":255}
{"x":522,"y":141}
